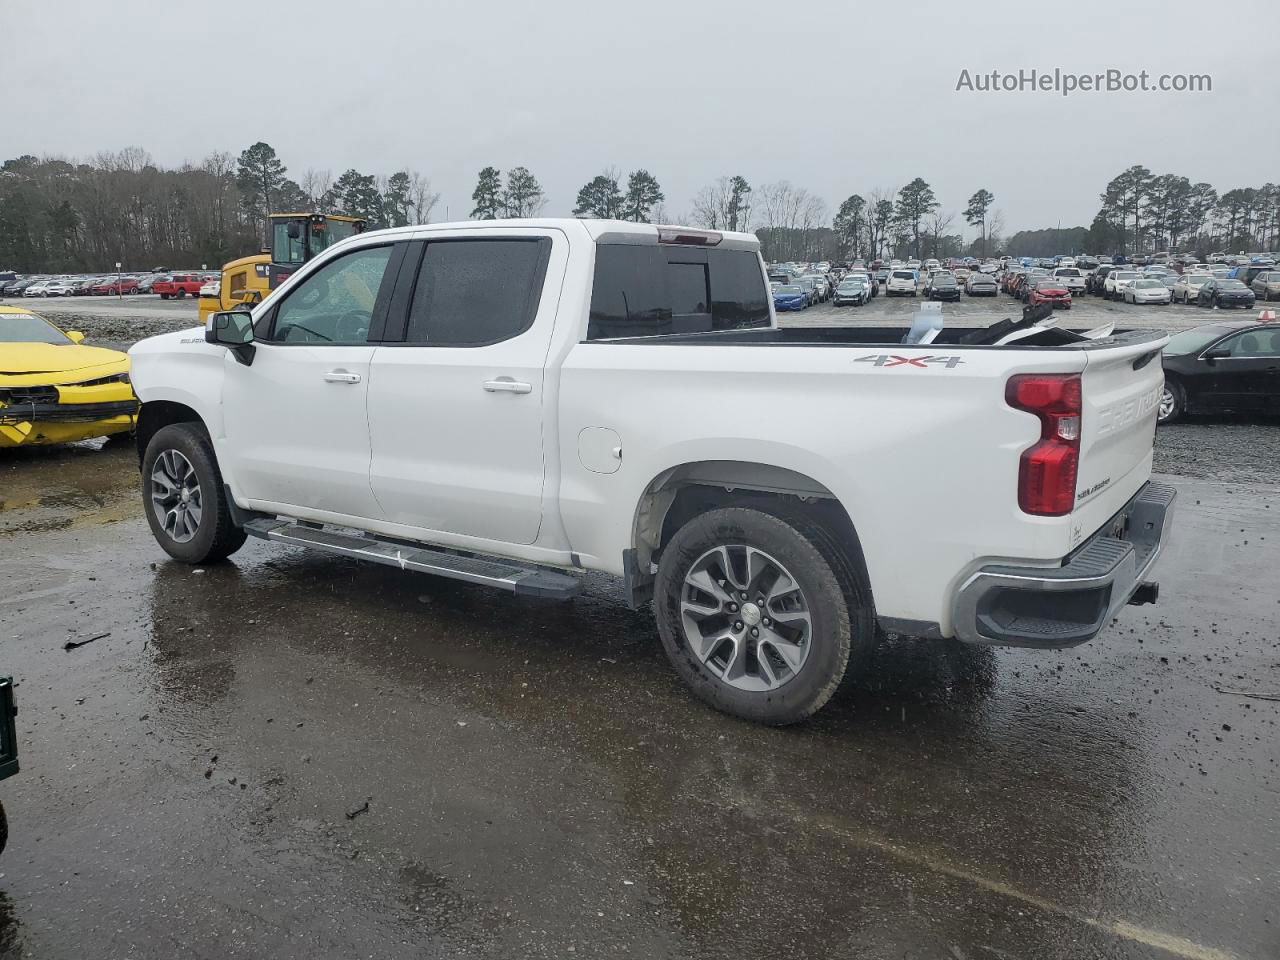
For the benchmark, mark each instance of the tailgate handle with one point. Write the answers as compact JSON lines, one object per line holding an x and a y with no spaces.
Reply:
{"x":1146,"y":358}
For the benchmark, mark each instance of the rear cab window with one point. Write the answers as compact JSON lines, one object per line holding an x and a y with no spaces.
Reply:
{"x":645,"y":290}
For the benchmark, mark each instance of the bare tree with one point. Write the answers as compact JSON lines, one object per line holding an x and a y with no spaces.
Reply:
{"x":995,"y":231}
{"x":939,"y":221}
{"x":421,"y":197}
{"x":316,"y":184}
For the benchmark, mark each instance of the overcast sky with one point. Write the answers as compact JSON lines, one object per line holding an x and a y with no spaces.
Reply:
{"x":837,"y":97}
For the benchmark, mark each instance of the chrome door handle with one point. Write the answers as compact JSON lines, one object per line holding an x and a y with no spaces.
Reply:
{"x":341,"y":376}
{"x":507,"y":385}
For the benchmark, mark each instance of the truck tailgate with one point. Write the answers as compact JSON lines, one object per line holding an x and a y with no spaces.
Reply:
{"x":1121,"y":388}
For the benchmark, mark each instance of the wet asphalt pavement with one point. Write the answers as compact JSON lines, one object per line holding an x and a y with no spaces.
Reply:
{"x":539,"y":784}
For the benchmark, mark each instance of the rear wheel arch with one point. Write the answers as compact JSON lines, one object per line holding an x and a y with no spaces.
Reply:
{"x":681,"y":493}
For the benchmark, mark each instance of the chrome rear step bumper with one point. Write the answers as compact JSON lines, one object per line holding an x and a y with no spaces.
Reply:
{"x":527,"y":581}
{"x":1015,"y":606}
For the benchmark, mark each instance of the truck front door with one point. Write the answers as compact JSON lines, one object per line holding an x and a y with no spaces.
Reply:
{"x":296,"y":431}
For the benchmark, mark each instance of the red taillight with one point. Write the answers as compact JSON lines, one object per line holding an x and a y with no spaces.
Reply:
{"x":1047,"y":471}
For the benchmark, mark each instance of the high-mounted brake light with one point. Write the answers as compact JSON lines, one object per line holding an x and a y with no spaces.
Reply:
{"x":685,"y":235}
{"x":1047,"y":471}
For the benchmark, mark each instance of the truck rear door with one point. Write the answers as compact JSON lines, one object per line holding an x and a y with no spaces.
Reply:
{"x":1120,"y":388}
{"x":457,"y":391}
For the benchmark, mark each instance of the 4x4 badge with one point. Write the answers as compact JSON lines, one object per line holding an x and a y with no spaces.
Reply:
{"x":893,"y":360}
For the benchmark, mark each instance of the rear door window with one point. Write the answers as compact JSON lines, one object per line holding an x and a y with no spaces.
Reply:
{"x":472,"y":293}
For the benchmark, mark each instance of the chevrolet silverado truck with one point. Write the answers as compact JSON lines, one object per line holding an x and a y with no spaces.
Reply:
{"x":512,"y":403}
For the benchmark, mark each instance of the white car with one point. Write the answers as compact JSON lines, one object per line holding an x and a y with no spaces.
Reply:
{"x":1071,"y":278}
{"x":1117,"y":280}
{"x":902,"y":282}
{"x":1146,"y":290}
{"x":1187,"y":287}
{"x":59,"y":288}
{"x":577,"y":439}
{"x":1065,"y":262}
{"x":36,"y":289}
{"x":211,"y":289}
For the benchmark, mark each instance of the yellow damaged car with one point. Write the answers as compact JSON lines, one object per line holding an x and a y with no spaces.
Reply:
{"x":53,"y":389}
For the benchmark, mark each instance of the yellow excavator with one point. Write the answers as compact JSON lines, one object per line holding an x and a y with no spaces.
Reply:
{"x":295,"y":239}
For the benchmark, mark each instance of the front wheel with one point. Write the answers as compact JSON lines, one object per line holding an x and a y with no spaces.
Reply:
{"x":755,"y":617}
{"x":1173,"y":402}
{"x":184,"y":498}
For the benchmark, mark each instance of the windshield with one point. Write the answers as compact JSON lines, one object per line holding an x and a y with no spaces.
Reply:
{"x":851,"y":285}
{"x":28,"y":328}
{"x":1148,"y":284}
{"x":1068,"y":272}
{"x":1198,"y":278}
{"x":789,"y":290}
{"x":1231,"y":285}
{"x":1125,"y":274}
{"x":903,"y":275}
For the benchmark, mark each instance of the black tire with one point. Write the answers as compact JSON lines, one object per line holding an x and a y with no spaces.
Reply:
{"x":839,"y":601}
{"x":164,"y":296}
{"x":1179,"y":395}
{"x":4,"y":829}
{"x":216,"y":537}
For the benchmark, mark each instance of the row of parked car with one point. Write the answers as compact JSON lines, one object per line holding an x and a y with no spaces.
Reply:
{"x":1204,"y":284}
{"x":166,"y":285}
{"x":797,"y":286}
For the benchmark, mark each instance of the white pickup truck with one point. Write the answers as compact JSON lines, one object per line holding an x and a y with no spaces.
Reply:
{"x":511,"y":403}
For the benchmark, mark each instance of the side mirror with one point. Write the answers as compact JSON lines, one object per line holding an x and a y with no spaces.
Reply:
{"x":233,"y":329}
{"x":75,"y":336}
{"x":1221,"y":353}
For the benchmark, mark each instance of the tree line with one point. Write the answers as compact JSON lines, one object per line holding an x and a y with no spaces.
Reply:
{"x":64,"y":215}
{"x":1142,"y":212}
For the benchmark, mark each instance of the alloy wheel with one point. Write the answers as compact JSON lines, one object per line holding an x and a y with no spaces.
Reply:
{"x":176,"y":496}
{"x":746,"y":618}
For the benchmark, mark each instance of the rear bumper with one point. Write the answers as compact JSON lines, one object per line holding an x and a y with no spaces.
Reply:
{"x":1009,"y":605}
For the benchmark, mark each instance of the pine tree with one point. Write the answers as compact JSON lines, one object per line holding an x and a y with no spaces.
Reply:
{"x":523,"y":196}
{"x":643,"y":194}
{"x":600,"y":198}
{"x":488,"y":195}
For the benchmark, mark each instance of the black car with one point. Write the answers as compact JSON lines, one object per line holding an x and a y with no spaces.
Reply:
{"x":1224,"y":293}
{"x":1232,"y":365}
{"x":1094,"y":282}
{"x":8,"y":747}
{"x":944,"y":287}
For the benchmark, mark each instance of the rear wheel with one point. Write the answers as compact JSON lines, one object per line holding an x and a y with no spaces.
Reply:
{"x":184,"y":498}
{"x":758,"y":614}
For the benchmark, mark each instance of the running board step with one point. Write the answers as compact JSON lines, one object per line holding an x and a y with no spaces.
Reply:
{"x":525,"y":581}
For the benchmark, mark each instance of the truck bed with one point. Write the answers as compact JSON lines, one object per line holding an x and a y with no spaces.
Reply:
{"x":950,"y":337}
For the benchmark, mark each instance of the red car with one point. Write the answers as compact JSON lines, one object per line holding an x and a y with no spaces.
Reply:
{"x":1052,"y":292}
{"x":178,"y":286}
{"x":114,"y":287}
